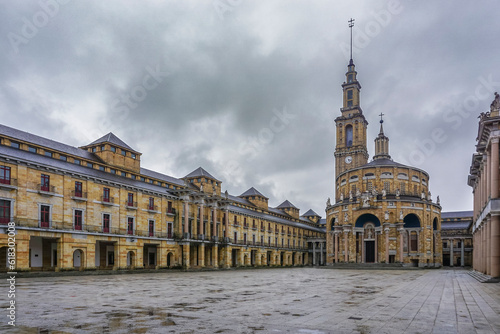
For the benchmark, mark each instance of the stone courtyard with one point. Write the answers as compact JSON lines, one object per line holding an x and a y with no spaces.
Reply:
{"x":294,"y":300}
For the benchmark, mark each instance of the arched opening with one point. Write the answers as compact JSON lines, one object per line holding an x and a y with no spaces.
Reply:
{"x":348,"y":135}
{"x":245,"y":260}
{"x":332,"y":224}
{"x":411,"y":221}
{"x":78,"y":259}
{"x":170,"y":260}
{"x":367,"y":218}
{"x":130,"y":259}
{"x":263,"y":260}
{"x":435,"y":224}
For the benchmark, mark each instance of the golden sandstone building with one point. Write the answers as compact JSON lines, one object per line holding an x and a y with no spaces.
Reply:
{"x":95,"y":207}
{"x":383,"y":211}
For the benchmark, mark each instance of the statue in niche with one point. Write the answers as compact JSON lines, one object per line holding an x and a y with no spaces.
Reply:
{"x":366,"y":201}
{"x":341,"y":197}
{"x":384,"y":192}
{"x":346,"y":217}
{"x":397,"y":192}
{"x":350,"y":195}
{"x":386,"y":216}
{"x":401,"y":217}
{"x":358,"y":193}
{"x":422,"y":196}
{"x":374,"y":192}
{"x":201,"y":187}
{"x":429,"y":197}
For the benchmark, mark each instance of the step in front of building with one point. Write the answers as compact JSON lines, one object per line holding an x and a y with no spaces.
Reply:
{"x":483,"y":278}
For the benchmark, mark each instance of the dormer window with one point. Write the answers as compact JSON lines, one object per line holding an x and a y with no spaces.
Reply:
{"x":123,"y":152}
{"x":113,"y":149}
{"x":102,"y":147}
{"x":94,"y":149}
{"x":133,"y":155}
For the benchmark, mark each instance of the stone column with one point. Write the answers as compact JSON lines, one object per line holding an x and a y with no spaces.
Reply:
{"x":495,"y":240}
{"x":214,"y":222}
{"x":387,"y":230}
{"x":401,"y":248}
{"x":186,"y":217}
{"x":186,"y":256}
{"x":215,"y":256}
{"x":336,"y":246}
{"x":314,"y":253}
{"x":226,"y":231}
{"x":321,"y":254}
{"x":462,"y":253}
{"x":346,"y":246}
{"x":494,"y":167}
{"x":202,"y":221}
{"x":487,"y":244}
{"x":452,"y":261}
{"x":362,"y":247}
{"x":201,"y":255}
{"x":483,"y":247}
{"x":488,"y":173}
{"x":376,"y":247}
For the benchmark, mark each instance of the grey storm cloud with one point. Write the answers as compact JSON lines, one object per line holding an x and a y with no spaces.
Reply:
{"x":192,"y":83}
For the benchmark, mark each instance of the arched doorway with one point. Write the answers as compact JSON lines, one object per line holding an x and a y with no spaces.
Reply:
{"x":245,"y":259}
{"x":367,"y":238}
{"x":77,"y":259}
{"x":130,"y":259}
{"x":170,"y":260}
{"x":263,"y":260}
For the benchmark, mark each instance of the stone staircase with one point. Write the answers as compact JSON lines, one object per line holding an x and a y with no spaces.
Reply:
{"x":483,"y":278}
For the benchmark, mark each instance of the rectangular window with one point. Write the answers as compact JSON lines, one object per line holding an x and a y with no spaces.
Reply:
{"x":151,"y":203}
{"x":276,"y":242}
{"x":4,"y":175}
{"x":4,"y":211}
{"x":32,"y":149}
{"x":105,"y":195}
{"x":349,"y":98}
{"x":63,"y":158}
{"x":130,"y":225}
{"x":113,"y":149}
{"x":94,"y":149}
{"x":413,"y":242}
{"x":123,"y":174}
{"x":235,"y":237}
{"x":48,"y":154}
{"x":151,"y":228}
{"x":76,"y":162}
{"x":112,"y":171}
{"x":14,"y":144}
{"x":403,"y":188}
{"x":78,"y":219}
{"x":44,"y":216}
{"x":90,"y":165}
{"x":78,"y":189}
{"x":169,"y":230}
{"x":244,"y":238}
{"x":387,"y":187}
{"x":370,"y":186}
{"x":101,"y":168}
{"x":169,"y":207}
{"x":102,"y":147}
{"x":45,"y":183}
{"x":106,"y":222}
{"x":253,"y":239}
{"x":353,"y":189}
{"x":123,"y":152}
{"x":143,"y":179}
{"x":133,"y":155}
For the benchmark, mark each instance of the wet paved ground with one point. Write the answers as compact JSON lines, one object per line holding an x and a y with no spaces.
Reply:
{"x":298,"y":300}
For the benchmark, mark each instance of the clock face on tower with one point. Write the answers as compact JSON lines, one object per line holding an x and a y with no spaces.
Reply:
{"x":348,"y":159}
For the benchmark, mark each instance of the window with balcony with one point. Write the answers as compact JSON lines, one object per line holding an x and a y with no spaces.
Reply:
{"x":78,"y":219}
{"x":151,"y":228}
{"x":44,"y":216}
{"x":78,"y":189}
{"x":105,"y":195}
{"x":106,"y":222}
{"x":45,"y":183}
{"x":130,"y":225}
{"x":4,"y":212}
{"x":4,"y":175}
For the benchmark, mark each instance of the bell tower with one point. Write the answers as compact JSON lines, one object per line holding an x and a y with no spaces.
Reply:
{"x":351,"y":150}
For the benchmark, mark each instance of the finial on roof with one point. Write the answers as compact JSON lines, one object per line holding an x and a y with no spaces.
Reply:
{"x":351,"y":24}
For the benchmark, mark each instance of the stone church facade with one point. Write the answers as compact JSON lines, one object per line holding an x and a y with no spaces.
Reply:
{"x":382,"y":211}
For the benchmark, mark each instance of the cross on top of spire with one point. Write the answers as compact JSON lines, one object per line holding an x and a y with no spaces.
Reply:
{"x":351,"y":24}
{"x":381,"y":115}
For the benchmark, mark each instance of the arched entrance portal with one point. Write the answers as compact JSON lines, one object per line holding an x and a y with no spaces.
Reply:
{"x":367,"y":237}
{"x":170,"y":260}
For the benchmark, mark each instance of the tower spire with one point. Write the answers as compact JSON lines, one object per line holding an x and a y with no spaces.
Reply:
{"x":351,"y":24}
{"x":381,"y":143}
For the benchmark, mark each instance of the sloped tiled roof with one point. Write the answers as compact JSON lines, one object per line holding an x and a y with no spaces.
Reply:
{"x":51,"y":144}
{"x":112,"y":139}
{"x":252,"y":192}
{"x":200,"y":172}
{"x":286,"y":204}
{"x":457,"y":214}
{"x":160,"y":176}
{"x":310,"y":213}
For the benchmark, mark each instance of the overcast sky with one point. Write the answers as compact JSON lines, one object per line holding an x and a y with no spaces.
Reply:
{"x":249,"y":89}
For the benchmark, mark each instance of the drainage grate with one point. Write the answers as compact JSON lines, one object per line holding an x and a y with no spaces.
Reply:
{"x":355,"y":318}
